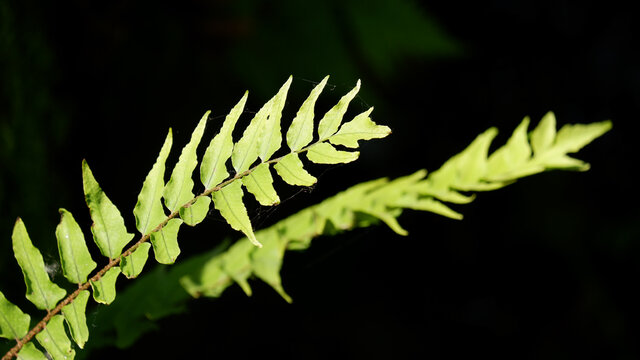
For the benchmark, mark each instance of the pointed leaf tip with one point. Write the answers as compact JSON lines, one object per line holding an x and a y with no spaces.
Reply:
{"x":109,"y":231}
{"x":148,"y":211}
{"x":178,"y":190}
{"x":213,"y":168}
{"x":331,"y":121}
{"x":300,"y":133}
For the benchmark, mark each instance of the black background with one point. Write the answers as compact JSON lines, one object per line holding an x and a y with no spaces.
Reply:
{"x":546,"y":268}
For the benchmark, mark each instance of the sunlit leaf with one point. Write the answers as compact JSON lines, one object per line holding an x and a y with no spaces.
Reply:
{"x":178,"y":190}
{"x":54,"y":339}
{"x":360,"y":128}
{"x":194,"y":214}
{"x":148,"y":211}
{"x":76,"y":261}
{"x":331,"y":121}
{"x":300,"y":132}
{"x":109,"y":231}
{"x":260,"y":183}
{"x":213,"y":168}
{"x":165,"y":242}
{"x":229,"y":202}
{"x":14,"y":324}
{"x":41,"y":291}
{"x":291,"y":170}
{"x":104,"y":289}
{"x":132,"y":264}
{"x":76,"y":318}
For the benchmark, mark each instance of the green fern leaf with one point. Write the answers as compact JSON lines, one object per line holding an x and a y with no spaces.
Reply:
{"x":331,"y":121}
{"x":196,"y":212}
{"x":245,"y":151}
{"x":104,"y":289}
{"x":109,"y":231}
{"x":509,"y":161}
{"x":271,"y":139}
{"x":429,"y":204}
{"x":165,"y":242}
{"x":30,"y":352}
{"x":54,"y":339}
{"x":323,"y":153}
{"x":291,"y":170}
{"x":178,"y":190}
{"x":132,"y":264}
{"x":14,"y":324}
{"x":260,"y":183}
{"x":268,"y":260}
{"x":41,"y":291}
{"x":229,"y":202}
{"x":148,"y":211}
{"x":360,"y":128}
{"x":76,"y":261}
{"x":75,"y":316}
{"x":209,"y":281}
{"x":237,"y":265}
{"x":213,"y":169}
{"x":544,"y":134}
{"x":300,"y":133}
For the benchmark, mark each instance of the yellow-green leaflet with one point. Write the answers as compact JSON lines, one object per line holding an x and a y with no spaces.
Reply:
{"x":570,"y":139}
{"x":292,"y":172}
{"x":237,"y":265}
{"x":271,"y":139}
{"x":229,"y":202}
{"x":544,"y":134}
{"x":213,"y":168}
{"x":360,"y":128}
{"x":178,"y":190}
{"x":260,"y":183}
{"x":466,"y":170}
{"x":108,"y":228}
{"x":133,"y":263}
{"x":428,"y":204}
{"x":245,"y":151}
{"x":104,"y":290}
{"x":54,"y":339}
{"x":165,"y":242}
{"x":41,"y":291}
{"x":148,"y":211}
{"x":30,"y":352}
{"x":75,"y":316}
{"x":323,"y":153}
{"x":331,"y":121}
{"x":210,"y":280}
{"x":14,"y":324}
{"x":474,"y":161}
{"x":194,"y":214}
{"x":268,"y":260}
{"x":76,"y":261}
{"x":508,"y":161}
{"x":300,"y":132}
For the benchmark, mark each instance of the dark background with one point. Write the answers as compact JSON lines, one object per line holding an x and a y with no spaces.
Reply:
{"x":546,"y":268}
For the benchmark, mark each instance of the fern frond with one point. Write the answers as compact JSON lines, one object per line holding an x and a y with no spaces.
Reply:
{"x":251,"y":157}
{"x":384,"y":200}
{"x":362,"y":205}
